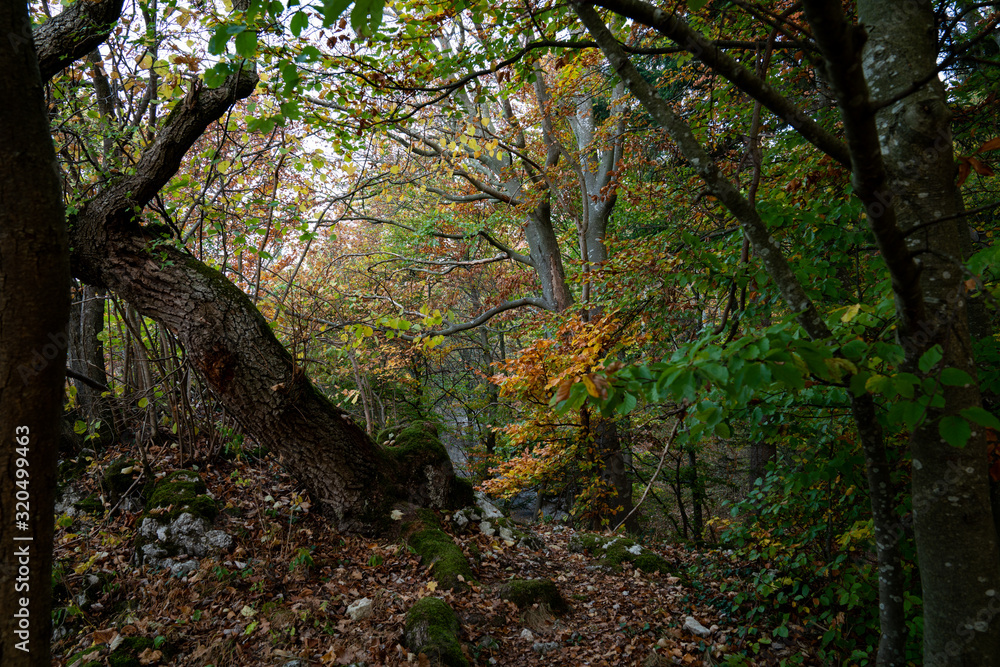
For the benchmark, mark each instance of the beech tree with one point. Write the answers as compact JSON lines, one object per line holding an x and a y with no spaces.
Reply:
{"x":34,"y":309}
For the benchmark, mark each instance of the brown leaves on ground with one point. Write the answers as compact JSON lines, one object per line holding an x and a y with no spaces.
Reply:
{"x":282,"y":594}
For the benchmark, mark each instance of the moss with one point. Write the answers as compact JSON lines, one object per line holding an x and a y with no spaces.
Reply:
{"x":415,"y":447}
{"x":614,"y":551}
{"x":127,"y":653}
{"x":91,"y":652}
{"x":183,"y":491}
{"x":429,"y":518}
{"x":432,"y":629}
{"x":115,"y":481}
{"x":70,"y":469}
{"x":436,"y":548}
{"x":91,"y":505}
{"x":528,"y":592}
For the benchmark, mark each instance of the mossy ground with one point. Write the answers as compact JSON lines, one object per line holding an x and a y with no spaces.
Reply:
{"x":527,"y":592}
{"x":615,"y":551}
{"x":127,"y":653}
{"x":182,"y":491}
{"x":432,"y":629}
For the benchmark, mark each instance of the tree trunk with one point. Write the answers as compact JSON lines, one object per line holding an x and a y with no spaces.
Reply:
{"x":953,"y":523}
{"x":34,"y":312}
{"x":86,"y":352}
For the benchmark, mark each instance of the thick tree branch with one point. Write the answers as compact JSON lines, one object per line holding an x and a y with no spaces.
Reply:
{"x":705,"y":50}
{"x":74,"y":33}
{"x":113,"y":211}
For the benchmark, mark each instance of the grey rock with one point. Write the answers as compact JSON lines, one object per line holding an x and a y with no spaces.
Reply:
{"x":360,"y":609}
{"x":544,"y":647}
{"x":184,"y":568}
{"x":696,"y":628}
{"x":489,"y":510}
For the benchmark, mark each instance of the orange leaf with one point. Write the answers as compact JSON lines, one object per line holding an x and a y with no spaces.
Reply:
{"x":990,"y":145}
{"x":981,"y":167}
{"x":963,"y":171}
{"x":563,"y":392}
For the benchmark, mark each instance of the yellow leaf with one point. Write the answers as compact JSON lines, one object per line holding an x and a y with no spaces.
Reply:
{"x":394,"y":169}
{"x":850,"y":313}
{"x":432,"y":586}
{"x":146,"y":62}
{"x":591,"y":387}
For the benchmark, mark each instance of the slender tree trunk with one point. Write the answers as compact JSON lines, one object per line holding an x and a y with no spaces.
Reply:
{"x":34,"y":312}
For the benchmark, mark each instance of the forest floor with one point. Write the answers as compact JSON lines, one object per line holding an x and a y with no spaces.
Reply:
{"x":280,"y":596}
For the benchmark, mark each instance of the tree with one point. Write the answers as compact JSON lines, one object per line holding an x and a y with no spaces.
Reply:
{"x":34,"y":310}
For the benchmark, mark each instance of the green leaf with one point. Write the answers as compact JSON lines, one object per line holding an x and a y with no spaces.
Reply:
{"x":695,"y":5}
{"x":880,"y":384}
{"x":216,"y":76}
{"x":627,"y":405}
{"x":246,"y":43}
{"x":904,"y":384}
{"x":80,"y":427}
{"x":855,"y":349}
{"x":377,"y":8}
{"x":955,"y":431}
{"x":982,"y":417}
{"x":299,"y":23}
{"x":217,"y":43}
{"x":955,"y":377}
{"x":332,"y":9}
{"x":722,"y":430}
{"x":143,"y":402}
{"x":930,"y":359}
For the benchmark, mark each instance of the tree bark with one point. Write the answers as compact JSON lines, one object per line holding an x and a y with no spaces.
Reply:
{"x":953,"y":523}
{"x":34,"y":311}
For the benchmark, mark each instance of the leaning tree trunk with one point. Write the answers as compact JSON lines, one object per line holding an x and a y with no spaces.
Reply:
{"x":225,"y":336}
{"x":34,"y":310}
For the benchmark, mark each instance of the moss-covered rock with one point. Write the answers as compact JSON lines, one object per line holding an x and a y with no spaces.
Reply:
{"x":528,"y":592}
{"x":118,"y":478}
{"x":182,"y":491}
{"x":432,"y":629}
{"x":614,"y":551}
{"x":447,"y":562}
{"x":90,"y":505}
{"x":419,"y":470}
{"x":127,"y":653}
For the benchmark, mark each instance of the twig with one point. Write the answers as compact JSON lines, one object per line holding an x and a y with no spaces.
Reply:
{"x":663,"y":455}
